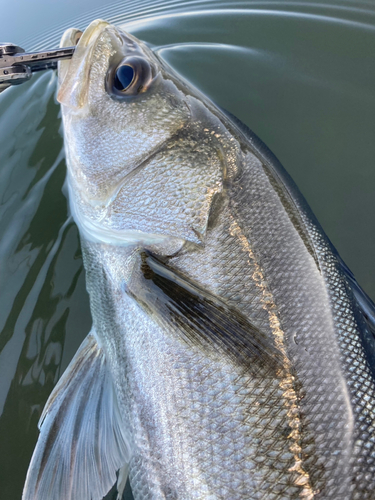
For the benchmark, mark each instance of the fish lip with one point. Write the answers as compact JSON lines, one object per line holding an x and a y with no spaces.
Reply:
{"x":94,"y":28}
{"x":73,"y":74}
{"x":69,"y":39}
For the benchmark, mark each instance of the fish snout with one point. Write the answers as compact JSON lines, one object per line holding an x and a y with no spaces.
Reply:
{"x":74,"y":74}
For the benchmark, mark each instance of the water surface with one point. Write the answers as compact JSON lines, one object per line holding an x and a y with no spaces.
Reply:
{"x":300,"y":74}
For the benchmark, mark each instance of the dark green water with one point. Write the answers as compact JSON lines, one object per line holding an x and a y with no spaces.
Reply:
{"x":300,"y":74}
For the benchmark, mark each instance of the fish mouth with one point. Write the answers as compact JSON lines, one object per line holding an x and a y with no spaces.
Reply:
{"x":74,"y":73}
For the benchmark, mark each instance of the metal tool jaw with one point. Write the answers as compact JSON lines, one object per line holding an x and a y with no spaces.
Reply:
{"x":17,"y":66}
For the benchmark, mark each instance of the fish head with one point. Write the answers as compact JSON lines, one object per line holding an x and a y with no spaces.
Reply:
{"x":143,"y":155}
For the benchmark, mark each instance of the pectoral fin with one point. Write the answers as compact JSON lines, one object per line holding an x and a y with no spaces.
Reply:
{"x":82,"y":440}
{"x":204,"y":319}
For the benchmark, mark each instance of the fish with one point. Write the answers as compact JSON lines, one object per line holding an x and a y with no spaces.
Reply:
{"x":232,"y":352}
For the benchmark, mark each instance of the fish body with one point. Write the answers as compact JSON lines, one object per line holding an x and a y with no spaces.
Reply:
{"x":231,"y":355}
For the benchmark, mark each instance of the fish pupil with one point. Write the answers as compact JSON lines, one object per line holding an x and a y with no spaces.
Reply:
{"x":124,"y":77}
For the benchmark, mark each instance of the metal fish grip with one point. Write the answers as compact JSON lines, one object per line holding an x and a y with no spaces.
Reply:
{"x":17,"y":66}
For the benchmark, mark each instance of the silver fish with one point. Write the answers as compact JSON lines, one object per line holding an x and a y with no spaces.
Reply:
{"x":232,"y":353}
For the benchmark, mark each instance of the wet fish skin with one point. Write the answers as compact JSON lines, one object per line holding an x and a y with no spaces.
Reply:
{"x":185,"y":218}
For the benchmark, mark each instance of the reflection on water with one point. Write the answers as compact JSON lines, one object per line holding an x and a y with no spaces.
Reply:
{"x":298,"y":73}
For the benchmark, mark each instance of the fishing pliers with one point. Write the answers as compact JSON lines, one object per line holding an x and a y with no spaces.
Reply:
{"x":17,"y":66}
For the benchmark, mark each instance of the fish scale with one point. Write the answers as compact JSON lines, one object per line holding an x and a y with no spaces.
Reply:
{"x":352,"y":354}
{"x":230,"y":340}
{"x":328,"y":411}
{"x":193,"y":398}
{"x":221,"y":251}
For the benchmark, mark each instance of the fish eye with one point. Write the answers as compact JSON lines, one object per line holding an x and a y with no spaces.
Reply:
{"x":129,"y":78}
{"x":123,"y":77}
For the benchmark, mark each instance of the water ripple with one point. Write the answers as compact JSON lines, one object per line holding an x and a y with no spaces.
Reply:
{"x":130,"y":26}
{"x":137,"y":14}
{"x":199,"y":45}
